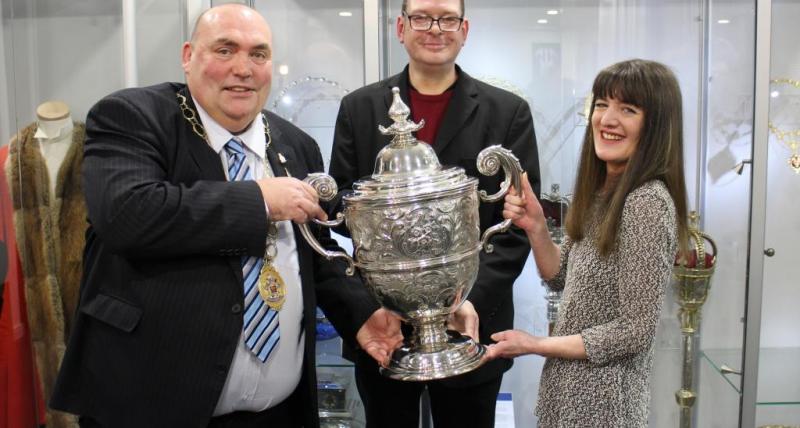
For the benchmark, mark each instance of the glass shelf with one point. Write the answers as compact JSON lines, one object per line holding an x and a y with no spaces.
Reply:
{"x":778,"y":373}
{"x":339,"y":403}
{"x":329,"y":354}
{"x":330,"y":360}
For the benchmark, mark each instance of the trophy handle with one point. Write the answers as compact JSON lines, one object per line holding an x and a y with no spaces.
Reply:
{"x":490,"y":160}
{"x":326,"y":188}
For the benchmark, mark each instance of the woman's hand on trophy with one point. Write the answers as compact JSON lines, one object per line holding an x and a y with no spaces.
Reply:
{"x":513,"y":343}
{"x":524,"y":209}
{"x":465,"y":320}
{"x":380,"y":335}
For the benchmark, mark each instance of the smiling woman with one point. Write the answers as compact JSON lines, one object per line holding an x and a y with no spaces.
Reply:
{"x":627,"y":220}
{"x":645,"y":126}
{"x":616,"y":127}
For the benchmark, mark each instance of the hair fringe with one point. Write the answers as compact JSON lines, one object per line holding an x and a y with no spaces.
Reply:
{"x":658,"y":156}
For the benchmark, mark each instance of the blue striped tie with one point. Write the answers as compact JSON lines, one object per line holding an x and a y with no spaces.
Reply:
{"x":261,"y":332}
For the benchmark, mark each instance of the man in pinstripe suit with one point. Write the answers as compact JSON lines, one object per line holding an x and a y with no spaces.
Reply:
{"x":159,"y":338}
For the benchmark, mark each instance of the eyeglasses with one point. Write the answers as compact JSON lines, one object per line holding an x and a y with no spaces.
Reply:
{"x":425,"y":22}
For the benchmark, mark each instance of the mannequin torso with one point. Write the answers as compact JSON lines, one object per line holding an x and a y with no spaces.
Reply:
{"x":54,"y":133}
{"x":43,"y":170}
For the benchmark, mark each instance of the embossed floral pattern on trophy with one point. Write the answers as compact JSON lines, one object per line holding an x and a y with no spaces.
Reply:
{"x":417,"y":242}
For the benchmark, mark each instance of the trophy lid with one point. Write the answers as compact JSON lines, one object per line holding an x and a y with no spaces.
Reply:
{"x":406,"y":166}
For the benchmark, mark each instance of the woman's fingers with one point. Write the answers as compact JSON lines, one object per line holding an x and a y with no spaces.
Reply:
{"x":527,"y":191}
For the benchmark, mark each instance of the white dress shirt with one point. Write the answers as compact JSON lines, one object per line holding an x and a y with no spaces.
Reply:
{"x":252,"y":385}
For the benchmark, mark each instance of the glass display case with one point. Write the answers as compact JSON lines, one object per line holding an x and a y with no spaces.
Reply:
{"x":739,"y":73}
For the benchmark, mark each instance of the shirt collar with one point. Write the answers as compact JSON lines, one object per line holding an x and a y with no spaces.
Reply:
{"x":253,"y":138}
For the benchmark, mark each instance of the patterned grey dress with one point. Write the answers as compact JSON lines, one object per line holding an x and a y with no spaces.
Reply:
{"x":614,"y":304}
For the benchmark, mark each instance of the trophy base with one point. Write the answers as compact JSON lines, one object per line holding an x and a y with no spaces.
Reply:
{"x":460,"y":355}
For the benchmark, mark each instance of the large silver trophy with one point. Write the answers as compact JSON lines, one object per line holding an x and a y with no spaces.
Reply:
{"x":416,"y":241}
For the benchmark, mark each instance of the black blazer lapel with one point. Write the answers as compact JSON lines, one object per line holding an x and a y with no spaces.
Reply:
{"x":280,"y":155}
{"x":209,"y":163}
{"x":283,"y":160}
{"x":206,"y":159}
{"x":462,"y":104}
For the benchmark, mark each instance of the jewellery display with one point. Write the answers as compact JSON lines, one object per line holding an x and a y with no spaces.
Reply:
{"x":331,"y":396}
{"x":547,"y":129}
{"x":271,"y":286}
{"x":554,"y":132}
{"x":692,"y":282}
{"x":335,"y":409}
{"x":312,"y":104}
{"x":299,"y":95}
{"x":788,"y":137}
{"x":555,"y":208}
{"x":416,"y":239}
{"x":498,"y":82}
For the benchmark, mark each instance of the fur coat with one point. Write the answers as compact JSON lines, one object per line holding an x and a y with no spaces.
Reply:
{"x":50,"y":237}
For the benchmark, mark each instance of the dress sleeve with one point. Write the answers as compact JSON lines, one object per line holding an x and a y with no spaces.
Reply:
{"x":647,"y":242}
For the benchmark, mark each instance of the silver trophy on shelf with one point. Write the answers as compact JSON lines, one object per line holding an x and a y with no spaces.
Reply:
{"x":555,"y":206}
{"x":416,"y":239}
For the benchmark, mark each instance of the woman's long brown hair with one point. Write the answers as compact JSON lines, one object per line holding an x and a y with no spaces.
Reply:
{"x":652,"y":87}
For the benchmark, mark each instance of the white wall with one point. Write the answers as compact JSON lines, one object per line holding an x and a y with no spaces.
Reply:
{"x":75,"y":59}
{"x":158,"y":42}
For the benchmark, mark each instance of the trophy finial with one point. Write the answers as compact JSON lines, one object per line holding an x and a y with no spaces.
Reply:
{"x":402,"y":126}
{"x":399,"y":111}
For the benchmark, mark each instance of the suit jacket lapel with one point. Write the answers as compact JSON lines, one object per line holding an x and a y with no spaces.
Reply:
{"x":206,"y":159}
{"x":280,"y":155}
{"x":283,"y":160}
{"x":460,"y":108}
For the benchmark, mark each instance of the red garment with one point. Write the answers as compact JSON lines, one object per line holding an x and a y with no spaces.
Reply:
{"x":431,"y":108}
{"x":21,"y":401}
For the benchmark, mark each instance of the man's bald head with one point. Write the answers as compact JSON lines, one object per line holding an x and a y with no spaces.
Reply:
{"x":211,"y":14}
{"x":228,"y":64}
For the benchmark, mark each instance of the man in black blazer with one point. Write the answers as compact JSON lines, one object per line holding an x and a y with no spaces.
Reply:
{"x":462,"y":117}
{"x":158,"y":339}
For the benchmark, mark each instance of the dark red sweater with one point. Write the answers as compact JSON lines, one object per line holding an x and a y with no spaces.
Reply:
{"x":431,"y":108}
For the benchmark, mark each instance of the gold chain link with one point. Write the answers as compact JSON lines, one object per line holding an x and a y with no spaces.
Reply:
{"x":191,"y":116}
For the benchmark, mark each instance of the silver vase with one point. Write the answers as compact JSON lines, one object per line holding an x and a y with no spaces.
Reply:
{"x":416,"y":239}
